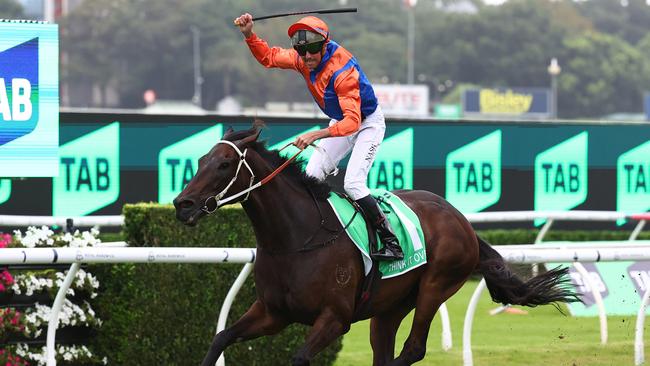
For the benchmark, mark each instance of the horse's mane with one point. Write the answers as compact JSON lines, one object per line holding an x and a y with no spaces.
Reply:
{"x":294,"y":170}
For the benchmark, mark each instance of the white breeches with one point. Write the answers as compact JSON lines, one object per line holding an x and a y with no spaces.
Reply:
{"x":364,"y":145}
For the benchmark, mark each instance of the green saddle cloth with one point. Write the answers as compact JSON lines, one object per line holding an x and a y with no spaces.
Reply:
{"x":404,"y":221}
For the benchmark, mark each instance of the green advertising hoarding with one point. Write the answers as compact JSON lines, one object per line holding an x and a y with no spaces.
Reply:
{"x":393,"y":165}
{"x":633,"y":180}
{"x":5,"y":190}
{"x":477,"y":165}
{"x":89,"y":173}
{"x":473,"y":174}
{"x":291,"y":150}
{"x":178,"y":162}
{"x":561,"y":175}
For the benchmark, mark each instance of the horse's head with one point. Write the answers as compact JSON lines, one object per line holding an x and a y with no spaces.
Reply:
{"x":222,"y":172}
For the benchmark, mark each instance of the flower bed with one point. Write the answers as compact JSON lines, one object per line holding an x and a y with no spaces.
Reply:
{"x":26,"y":295}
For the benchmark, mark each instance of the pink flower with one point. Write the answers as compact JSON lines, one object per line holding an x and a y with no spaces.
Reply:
{"x":5,"y":240}
{"x":8,"y":279}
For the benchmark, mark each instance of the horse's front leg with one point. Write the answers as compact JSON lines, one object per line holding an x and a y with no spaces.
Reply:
{"x":256,"y":322}
{"x":326,"y":329}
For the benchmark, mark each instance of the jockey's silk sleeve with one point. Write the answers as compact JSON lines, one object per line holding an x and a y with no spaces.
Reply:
{"x":338,"y":85}
{"x":273,"y":56}
{"x":346,"y":87}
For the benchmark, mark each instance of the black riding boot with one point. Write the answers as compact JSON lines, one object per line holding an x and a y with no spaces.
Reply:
{"x":372,"y":211}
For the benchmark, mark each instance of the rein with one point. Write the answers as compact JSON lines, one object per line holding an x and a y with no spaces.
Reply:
{"x":331,"y":240}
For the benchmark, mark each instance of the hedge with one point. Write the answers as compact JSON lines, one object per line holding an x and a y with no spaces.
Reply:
{"x":166,"y":314}
{"x":527,"y":236}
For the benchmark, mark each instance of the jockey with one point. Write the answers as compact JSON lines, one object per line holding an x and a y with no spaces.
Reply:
{"x":342,"y":91}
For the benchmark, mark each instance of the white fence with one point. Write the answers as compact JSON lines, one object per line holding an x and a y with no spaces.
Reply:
{"x":561,"y":252}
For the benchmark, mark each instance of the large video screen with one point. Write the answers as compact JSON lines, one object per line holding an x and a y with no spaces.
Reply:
{"x":29,"y":99}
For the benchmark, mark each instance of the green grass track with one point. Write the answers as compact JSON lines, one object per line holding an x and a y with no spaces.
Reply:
{"x":543,"y":337}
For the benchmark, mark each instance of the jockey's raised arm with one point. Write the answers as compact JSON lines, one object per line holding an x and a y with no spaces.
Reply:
{"x":338,"y":85}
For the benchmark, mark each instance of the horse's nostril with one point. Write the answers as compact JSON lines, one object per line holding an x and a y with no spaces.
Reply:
{"x":185,"y":204}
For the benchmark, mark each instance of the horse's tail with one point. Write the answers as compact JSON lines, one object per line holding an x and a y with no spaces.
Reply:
{"x":505,"y":287}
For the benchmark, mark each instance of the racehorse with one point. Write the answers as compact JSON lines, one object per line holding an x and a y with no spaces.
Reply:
{"x":308,"y":271}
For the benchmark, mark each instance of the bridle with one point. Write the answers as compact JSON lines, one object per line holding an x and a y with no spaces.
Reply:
{"x":242,"y":161}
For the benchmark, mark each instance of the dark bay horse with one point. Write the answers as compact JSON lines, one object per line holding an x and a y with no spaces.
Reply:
{"x":308,"y":271}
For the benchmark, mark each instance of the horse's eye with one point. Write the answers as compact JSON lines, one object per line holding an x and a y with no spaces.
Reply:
{"x":224,"y":165}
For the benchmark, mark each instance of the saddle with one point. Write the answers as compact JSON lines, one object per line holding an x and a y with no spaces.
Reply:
{"x":407,"y":228}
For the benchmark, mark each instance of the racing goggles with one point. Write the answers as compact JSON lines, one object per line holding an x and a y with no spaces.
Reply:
{"x":312,"y":48}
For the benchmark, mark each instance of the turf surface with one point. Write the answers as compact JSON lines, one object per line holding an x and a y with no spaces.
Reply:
{"x":543,"y":337}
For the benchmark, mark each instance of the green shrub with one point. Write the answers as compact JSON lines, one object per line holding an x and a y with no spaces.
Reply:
{"x":527,"y":236}
{"x":166,"y":314}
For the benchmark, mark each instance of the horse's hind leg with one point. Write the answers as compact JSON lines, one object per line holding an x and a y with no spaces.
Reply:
{"x":432,"y":293}
{"x":327,"y":327}
{"x":254,"y":323}
{"x":383,"y":329}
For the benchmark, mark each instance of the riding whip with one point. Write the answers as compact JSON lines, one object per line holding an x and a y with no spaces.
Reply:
{"x":322,"y":11}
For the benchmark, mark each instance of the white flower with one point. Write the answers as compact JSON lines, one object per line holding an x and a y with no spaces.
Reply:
{"x":67,"y":237}
{"x":73,"y":353}
{"x":70,"y":315}
{"x":45,"y":237}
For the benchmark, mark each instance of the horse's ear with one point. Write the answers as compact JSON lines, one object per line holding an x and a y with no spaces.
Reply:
{"x":258,"y":124}
{"x":228,"y":131}
{"x":256,"y":129}
{"x":251,"y":138}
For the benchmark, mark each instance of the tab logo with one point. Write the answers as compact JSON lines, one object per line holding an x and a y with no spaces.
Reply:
{"x":177,"y":163}
{"x":473,"y":174}
{"x":89,"y":173}
{"x":18,"y":91}
{"x":633,"y":180}
{"x":561,"y":175}
{"x":5,"y":190}
{"x":393,"y":165}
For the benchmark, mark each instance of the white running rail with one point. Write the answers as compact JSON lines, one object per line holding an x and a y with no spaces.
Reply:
{"x":483,"y":217}
{"x":24,"y":221}
{"x":114,"y":253}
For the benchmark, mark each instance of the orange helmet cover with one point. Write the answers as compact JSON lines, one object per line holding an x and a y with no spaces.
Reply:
{"x":312,"y":24}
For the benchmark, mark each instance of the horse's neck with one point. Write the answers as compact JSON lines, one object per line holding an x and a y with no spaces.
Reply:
{"x":282,"y":212}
